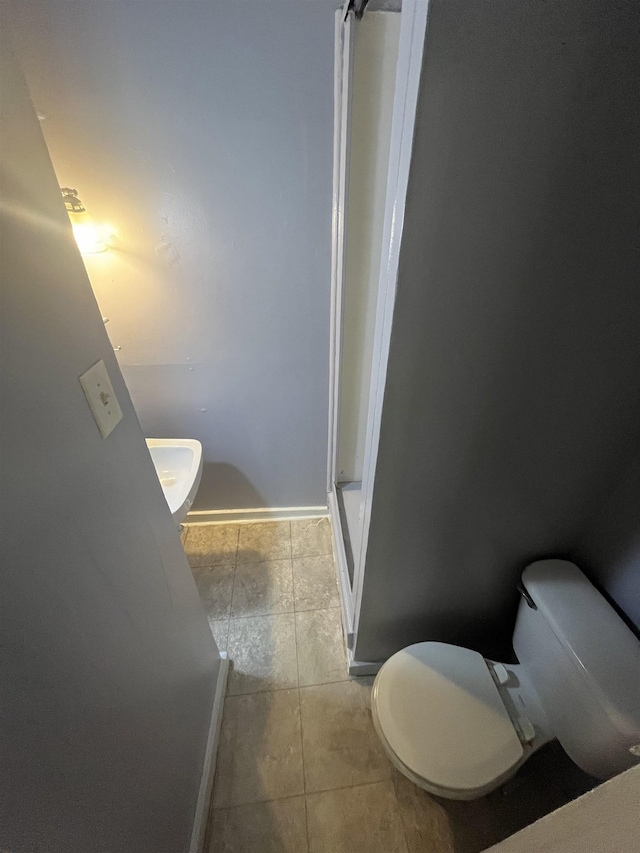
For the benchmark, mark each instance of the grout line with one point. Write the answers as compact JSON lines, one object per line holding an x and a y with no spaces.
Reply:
{"x":309,"y":794}
{"x":295,"y":636}
{"x":221,"y":560}
{"x":237,"y":545}
{"x":295,"y":629}
{"x":267,"y":559}
{"x":306,"y":823}
{"x":299,"y":687}
{"x":317,"y":609}
{"x":295,"y":640}
{"x":304,"y":781}
{"x":348,"y":787}
{"x":233,"y":589}
{"x":258,"y":802}
{"x":400,"y":810}
{"x":264,"y":559}
{"x":282,"y":613}
{"x":235,"y":566}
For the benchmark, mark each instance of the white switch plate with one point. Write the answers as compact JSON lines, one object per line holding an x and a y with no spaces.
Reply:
{"x":101,"y":398}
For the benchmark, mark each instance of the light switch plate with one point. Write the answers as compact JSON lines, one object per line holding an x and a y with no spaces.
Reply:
{"x":101,"y":398}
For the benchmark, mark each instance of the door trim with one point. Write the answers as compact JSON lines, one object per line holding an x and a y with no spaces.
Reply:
{"x":203,"y":804}
{"x":413,"y":30}
{"x":341,"y":110}
{"x":413,"y":27}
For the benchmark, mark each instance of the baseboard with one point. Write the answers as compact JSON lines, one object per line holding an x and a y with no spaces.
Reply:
{"x":265,"y":513}
{"x":361,"y":667}
{"x":209,"y":766}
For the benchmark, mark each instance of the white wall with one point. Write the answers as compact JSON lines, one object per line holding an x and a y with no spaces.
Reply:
{"x":375,"y":53}
{"x":107,"y":663}
{"x":203,"y":132}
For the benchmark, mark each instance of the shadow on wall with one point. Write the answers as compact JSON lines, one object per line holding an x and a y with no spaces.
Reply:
{"x":224,"y":486}
{"x":622,"y":579}
{"x":611,"y":544}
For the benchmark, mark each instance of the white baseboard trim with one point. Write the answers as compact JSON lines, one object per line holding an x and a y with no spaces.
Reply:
{"x":361,"y":667}
{"x":264,"y":513}
{"x":208,"y":769}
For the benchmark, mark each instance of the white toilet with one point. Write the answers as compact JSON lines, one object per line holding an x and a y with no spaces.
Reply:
{"x":459,"y":725}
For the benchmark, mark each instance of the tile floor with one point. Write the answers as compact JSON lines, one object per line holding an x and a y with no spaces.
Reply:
{"x":300,"y":768}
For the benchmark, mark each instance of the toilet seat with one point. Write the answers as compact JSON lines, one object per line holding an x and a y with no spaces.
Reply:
{"x":441,"y":718}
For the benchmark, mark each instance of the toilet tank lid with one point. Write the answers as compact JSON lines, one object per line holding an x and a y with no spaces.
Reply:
{"x":604,"y":649}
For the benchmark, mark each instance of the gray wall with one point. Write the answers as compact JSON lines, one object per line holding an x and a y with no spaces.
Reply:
{"x":107,"y":663}
{"x":203,"y":131}
{"x":609,"y":545}
{"x":513,"y":395}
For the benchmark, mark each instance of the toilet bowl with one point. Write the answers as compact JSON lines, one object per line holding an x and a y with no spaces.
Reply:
{"x":459,"y":725}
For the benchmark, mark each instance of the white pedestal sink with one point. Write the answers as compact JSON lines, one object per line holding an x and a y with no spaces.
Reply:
{"x":178,"y":464}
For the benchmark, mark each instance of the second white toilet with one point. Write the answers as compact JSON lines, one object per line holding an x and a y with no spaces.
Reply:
{"x":459,"y":725}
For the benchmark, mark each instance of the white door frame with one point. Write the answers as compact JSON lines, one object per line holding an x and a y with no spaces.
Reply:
{"x":413,"y":28}
{"x":343,"y":68}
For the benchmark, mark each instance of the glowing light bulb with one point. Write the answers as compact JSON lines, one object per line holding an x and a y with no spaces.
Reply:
{"x":89,"y":237}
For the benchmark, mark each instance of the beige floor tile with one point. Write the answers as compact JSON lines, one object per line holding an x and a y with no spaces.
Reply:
{"x":435,"y":825}
{"x":311,"y":537}
{"x":220,"y":631}
{"x":315,"y":583}
{"x":263,"y":588}
{"x":260,"y":751}
{"x":263,"y":653}
{"x":264,"y":540}
{"x":339,"y":742}
{"x":279,"y":826}
{"x":365,"y":819}
{"x":183,"y":534}
{"x":212,"y":544}
{"x":215,"y":586}
{"x":321,"y":653}
{"x":426,"y":822}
